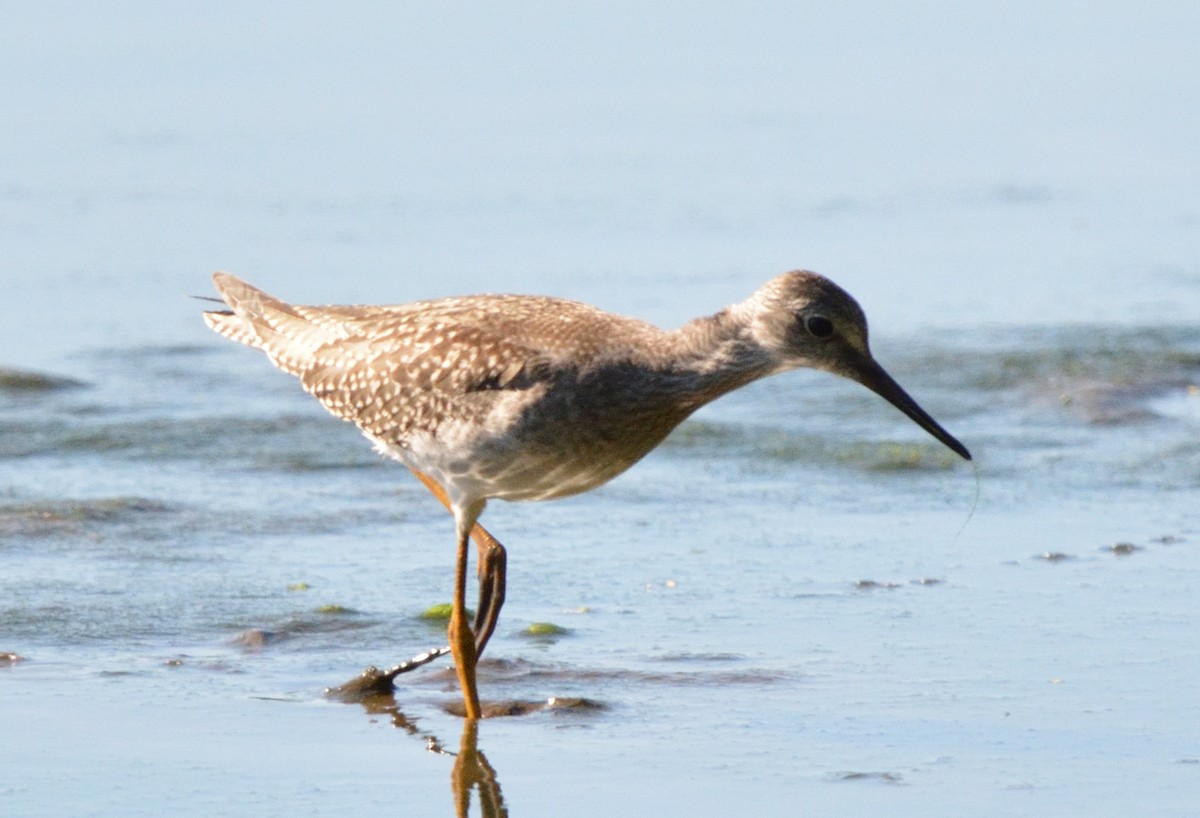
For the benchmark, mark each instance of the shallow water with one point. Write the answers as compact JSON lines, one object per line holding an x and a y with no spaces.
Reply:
{"x":798,"y":602}
{"x":794,"y":607}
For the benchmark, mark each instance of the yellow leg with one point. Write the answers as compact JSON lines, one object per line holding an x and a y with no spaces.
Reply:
{"x":493,"y":562}
{"x":462,"y":640}
{"x":483,"y":539}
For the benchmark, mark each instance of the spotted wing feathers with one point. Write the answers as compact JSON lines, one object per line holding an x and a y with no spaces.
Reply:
{"x":264,"y":322}
{"x":390,"y":369}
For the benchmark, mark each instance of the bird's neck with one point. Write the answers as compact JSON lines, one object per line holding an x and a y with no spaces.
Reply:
{"x":716,"y":354}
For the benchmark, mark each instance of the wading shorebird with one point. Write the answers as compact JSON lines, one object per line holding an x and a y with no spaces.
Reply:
{"x":518,"y":397}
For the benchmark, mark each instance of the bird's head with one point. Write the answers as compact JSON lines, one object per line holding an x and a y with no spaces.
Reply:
{"x":803,"y":319}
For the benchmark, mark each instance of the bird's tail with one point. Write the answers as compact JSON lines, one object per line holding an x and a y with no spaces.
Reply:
{"x":262,"y":321}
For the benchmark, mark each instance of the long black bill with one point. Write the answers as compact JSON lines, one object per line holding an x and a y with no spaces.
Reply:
{"x":874,"y":377}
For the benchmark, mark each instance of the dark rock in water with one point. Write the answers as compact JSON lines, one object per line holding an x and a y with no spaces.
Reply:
{"x":573,"y":704}
{"x":882,"y":777}
{"x":870,"y":584}
{"x":23,"y":380}
{"x":8,"y":658}
{"x":48,"y":518}
{"x":374,"y":682}
{"x":1055,"y":556}
{"x":371,"y":683}
{"x":519,"y":707}
{"x":258,"y":638}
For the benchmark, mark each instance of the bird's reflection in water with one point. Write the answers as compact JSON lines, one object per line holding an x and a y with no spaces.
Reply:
{"x":471,"y":768}
{"x":472,"y":771}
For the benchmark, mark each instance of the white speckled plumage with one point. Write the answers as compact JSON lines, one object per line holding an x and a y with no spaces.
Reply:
{"x":478,"y":391}
{"x":532,"y":398}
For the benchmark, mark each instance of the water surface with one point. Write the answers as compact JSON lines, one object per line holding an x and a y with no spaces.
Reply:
{"x":799,"y":601}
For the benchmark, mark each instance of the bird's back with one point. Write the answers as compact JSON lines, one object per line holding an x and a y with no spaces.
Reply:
{"x":473,"y":385}
{"x":498,"y":326}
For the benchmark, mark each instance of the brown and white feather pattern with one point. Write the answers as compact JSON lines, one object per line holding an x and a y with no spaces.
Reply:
{"x":520,"y":397}
{"x":523,"y":397}
{"x":457,"y":375}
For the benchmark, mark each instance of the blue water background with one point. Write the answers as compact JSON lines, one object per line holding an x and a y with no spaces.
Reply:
{"x":799,"y":603}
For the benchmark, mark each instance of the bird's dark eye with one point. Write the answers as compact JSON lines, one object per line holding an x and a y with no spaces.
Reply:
{"x":818,"y":326}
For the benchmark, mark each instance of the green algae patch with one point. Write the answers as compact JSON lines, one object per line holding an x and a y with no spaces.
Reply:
{"x":541,"y":630}
{"x":334,"y":609}
{"x":901,"y":457}
{"x":438,"y":613}
{"x":441,"y":613}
